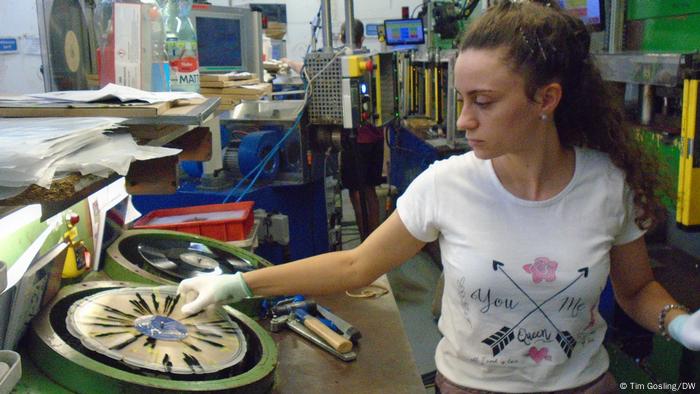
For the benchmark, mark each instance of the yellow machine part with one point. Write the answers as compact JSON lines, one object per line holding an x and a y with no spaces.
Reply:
{"x":688,"y":204}
{"x":356,"y":65}
{"x":428,"y":91}
{"x":378,"y":87}
{"x":436,"y":94}
{"x":411,"y":87}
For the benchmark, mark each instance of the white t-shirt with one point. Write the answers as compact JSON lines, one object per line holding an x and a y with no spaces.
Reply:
{"x":522,"y":278}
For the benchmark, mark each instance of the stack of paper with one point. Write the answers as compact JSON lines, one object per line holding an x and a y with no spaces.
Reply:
{"x":110,"y":101}
{"x":35,"y":150}
{"x":112,"y":92}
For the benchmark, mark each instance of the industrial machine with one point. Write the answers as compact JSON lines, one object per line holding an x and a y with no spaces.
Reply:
{"x":223,"y":351}
{"x":350,"y":91}
{"x":281,"y":153}
{"x":651,"y":57}
{"x":120,"y":327}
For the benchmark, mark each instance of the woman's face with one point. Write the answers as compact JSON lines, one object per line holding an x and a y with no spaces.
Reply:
{"x":497,"y":116}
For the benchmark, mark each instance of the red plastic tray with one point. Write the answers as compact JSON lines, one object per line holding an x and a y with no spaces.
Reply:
{"x":225,"y":222}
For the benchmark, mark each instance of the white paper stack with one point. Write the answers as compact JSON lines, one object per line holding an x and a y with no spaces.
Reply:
{"x":113,"y":92}
{"x":35,"y":150}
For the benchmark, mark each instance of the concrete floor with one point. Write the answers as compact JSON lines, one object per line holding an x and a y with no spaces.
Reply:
{"x":413,"y":284}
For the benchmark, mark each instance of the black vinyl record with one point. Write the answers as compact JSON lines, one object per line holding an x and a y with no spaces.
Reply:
{"x":181,"y":258}
{"x":68,"y":45}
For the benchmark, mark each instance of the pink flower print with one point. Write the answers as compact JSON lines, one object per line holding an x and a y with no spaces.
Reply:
{"x":539,"y":354}
{"x":543,"y":269}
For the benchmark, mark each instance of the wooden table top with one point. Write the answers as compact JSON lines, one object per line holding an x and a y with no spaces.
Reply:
{"x":384,"y":363}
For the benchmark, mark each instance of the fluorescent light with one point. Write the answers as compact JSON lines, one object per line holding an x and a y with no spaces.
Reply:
{"x":18,"y":219}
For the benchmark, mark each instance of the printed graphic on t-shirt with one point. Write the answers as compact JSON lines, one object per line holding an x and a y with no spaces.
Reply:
{"x":548,"y":333}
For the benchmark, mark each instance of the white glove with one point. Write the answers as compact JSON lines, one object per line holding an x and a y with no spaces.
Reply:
{"x":686,"y":330}
{"x":209,"y":290}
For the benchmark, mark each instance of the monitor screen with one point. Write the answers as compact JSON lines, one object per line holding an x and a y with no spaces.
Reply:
{"x":404,"y":31}
{"x":219,"y":44}
{"x":590,"y":11}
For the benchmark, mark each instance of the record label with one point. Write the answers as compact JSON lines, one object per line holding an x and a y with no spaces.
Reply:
{"x":71,"y":49}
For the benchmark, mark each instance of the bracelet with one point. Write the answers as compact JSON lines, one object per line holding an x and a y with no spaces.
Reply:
{"x":662,"y":318}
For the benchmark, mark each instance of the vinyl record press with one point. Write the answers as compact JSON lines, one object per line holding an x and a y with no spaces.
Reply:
{"x":129,"y":335}
{"x":116,"y":337}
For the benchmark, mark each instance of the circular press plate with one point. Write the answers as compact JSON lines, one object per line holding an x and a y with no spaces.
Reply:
{"x":168,"y":257}
{"x":144,"y":328}
{"x":121,"y":337}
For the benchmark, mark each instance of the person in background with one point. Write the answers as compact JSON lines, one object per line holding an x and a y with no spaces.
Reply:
{"x":362,"y":159}
{"x":294,"y":65}
{"x":554,"y":197}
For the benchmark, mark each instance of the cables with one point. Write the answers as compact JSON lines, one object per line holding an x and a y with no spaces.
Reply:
{"x":260,"y":167}
{"x":413,"y":13}
{"x":315,"y":23}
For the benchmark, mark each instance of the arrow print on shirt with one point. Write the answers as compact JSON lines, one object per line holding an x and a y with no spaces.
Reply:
{"x":499,"y":340}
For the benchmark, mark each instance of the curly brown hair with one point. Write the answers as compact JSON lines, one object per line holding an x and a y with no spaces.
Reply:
{"x":547,"y":45}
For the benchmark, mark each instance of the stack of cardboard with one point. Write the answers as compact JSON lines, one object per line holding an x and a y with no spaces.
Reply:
{"x":276,"y":30}
{"x":232,"y":88}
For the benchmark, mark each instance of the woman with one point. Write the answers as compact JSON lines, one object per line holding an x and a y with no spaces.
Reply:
{"x":554,"y":196}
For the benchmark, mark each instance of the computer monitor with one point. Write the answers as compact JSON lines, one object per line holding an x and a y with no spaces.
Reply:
{"x":228,"y":39}
{"x":404,"y":31}
{"x":591,"y":12}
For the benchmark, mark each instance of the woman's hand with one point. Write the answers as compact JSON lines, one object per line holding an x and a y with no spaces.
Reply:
{"x":208,"y":290}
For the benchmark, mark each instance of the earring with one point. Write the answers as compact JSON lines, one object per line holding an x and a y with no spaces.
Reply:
{"x":543,"y":116}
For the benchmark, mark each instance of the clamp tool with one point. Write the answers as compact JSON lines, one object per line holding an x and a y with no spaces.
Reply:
{"x":323,"y":331}
{"x":343,"y":326}
{"x":290,"y":320}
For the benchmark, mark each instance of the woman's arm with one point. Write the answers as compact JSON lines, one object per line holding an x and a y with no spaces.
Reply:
{"x":293,"y":64}
{"x":387,"y":247}
{"x":636,"y":290}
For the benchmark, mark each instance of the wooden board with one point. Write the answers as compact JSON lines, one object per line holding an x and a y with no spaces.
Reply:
{"x":195,"y":145}
{"x":234,"y":99}
{"x":155,"y":176}
{"x":228,"y":84}
{"x":226,"y":77}
{"x":226,"y":100}
{"x":118,"y":110}
{"x":145,"y":133}
{"x":259,"y":88}
{"x":226,"y":107}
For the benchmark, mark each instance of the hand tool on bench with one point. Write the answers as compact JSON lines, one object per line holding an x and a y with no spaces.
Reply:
{"x":337,"y":342}
{"x":290,"y":321}
{"x":343,"y":326}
